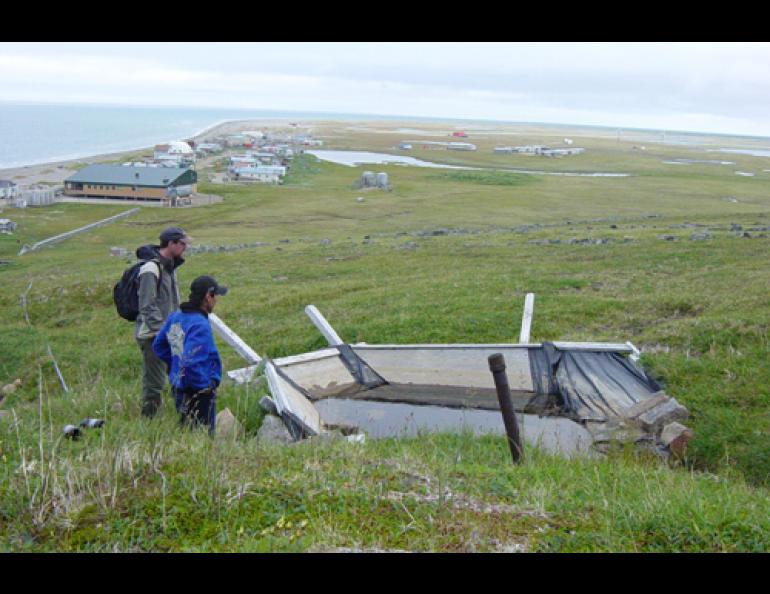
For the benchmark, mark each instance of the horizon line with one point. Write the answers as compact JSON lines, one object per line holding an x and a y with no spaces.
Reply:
{"x":34,"y":102}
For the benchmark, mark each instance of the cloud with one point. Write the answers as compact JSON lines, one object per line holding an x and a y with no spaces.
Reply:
{"x":636,"y":84}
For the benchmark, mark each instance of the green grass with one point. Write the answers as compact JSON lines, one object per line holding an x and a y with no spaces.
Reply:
{"x":699,"y":309}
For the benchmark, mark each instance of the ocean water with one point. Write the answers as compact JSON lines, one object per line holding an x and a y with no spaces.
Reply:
{"x":41,"y":133}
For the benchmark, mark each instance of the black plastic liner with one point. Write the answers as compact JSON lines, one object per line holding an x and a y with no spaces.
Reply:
{"x":586,"y":385}
{"x":359,"y":369}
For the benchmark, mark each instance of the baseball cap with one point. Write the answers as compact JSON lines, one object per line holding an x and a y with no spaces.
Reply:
{"x":173,"y":234}
{"x":205,"y":284}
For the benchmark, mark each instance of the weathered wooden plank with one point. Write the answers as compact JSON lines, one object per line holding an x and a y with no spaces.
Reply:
{"x":449,"y":366}
{"x":635,"y":353}
{"x":243,"y":375}
{"x":406,"y":347}
{"x":526,"y":320}
{"x":305,"y":357}
{"x":617,"y":347}
{"x":231,"y":338}
{"x":289,"y":400}
{"x":323,"y":326}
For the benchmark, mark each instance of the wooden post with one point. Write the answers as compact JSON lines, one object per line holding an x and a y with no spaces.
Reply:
{"x":323,"y":326}
{"x":526,"y":319}
{"x":233,"y":340}
{"x":497,"y":367}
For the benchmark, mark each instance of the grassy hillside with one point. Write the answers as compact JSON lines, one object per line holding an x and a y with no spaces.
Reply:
{"x":447,"y":256}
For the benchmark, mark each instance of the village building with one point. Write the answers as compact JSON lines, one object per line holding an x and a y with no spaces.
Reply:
{"x":538,"y":149}
{"x":208,"y":147}
{"x":8,"y":189}
{"x":264,"y":158}
{"x":549,"y":152}
{"x":461,"y":146}
{"x":131,"y":183}
{"x":239,"y":140}
{"x":176,"y":152}
{"x":7,"y":226}
{"x":269,"y":174}
{"x":532,"y":149}
{"x":243,"y":161}
{"x":36,"y":195}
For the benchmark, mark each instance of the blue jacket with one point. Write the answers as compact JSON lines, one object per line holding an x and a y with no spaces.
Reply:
{"x":186,"y":345}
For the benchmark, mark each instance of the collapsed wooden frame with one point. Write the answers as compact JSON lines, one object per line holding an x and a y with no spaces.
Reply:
{"x":290,"y":378}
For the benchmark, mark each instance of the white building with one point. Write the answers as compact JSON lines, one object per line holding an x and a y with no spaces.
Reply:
{"x":175,"y":151}
{"x":549,"y":152}
{"x":268,"y":174}
{"x":7,"y":226}
{"x":263,"y":158}
{"x":461,"y":146}
{"x":38,"y":195}
{"x":534,"y":149}
{"x":8,"y":189}
{"x":239,"y":140}
{"x":209,"y":147}
{"x":243,"y":161}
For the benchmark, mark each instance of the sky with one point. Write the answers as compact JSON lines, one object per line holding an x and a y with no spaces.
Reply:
{"x":701,"y":87}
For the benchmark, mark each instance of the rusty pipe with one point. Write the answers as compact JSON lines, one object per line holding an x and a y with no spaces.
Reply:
{"x":497,"y":367}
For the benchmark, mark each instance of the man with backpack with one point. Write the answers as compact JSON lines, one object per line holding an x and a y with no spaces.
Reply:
{"x":186,"y":346}
{"x":158,"y":296}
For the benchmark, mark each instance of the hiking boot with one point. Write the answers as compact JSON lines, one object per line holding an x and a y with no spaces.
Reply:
{"x":150,"y":406}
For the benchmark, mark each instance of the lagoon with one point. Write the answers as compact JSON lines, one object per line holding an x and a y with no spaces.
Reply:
{"x":355,"y":158}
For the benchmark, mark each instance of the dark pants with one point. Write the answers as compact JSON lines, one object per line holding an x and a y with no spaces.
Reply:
{"x":196,"y":409}
{"x":153,"y":378}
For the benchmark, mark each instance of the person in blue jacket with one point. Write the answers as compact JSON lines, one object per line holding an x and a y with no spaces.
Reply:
{"x":186,"y":345}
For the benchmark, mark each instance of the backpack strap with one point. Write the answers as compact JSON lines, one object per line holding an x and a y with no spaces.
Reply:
{"x":160,"y":270}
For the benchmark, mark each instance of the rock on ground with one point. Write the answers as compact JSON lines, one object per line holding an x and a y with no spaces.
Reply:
{"x":227,"y":426}
{"x":10,"y":388}
{"x":273,"y":431}
{"x":266,"y":403}
{"x":675,"y":436}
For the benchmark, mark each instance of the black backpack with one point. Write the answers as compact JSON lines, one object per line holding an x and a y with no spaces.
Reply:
{"x":125,"y":294}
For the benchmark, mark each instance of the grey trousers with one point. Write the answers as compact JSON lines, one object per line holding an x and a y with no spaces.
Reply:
{"x":153,"y":378}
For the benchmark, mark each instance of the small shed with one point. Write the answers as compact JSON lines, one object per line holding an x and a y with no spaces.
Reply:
{"x":369,"y":179}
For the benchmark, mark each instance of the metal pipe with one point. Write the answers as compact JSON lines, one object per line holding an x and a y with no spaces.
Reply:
{"x":497,"y":367}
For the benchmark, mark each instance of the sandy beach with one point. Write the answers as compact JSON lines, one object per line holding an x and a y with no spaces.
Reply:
{"x":56,"y":172}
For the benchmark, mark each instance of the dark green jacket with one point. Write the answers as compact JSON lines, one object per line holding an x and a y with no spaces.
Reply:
{"x":157,"y":300}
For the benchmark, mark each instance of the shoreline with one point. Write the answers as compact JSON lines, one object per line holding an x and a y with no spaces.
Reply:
{"x":55,"y":172}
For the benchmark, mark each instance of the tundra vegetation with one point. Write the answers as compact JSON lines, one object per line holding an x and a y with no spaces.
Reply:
{"x":446,"y":256}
